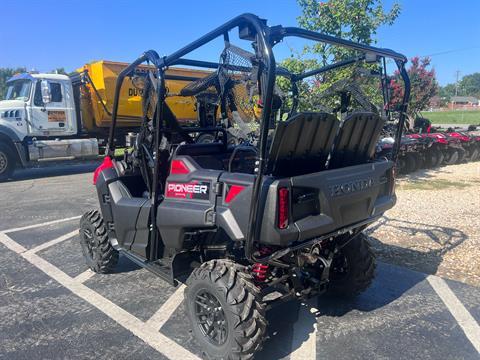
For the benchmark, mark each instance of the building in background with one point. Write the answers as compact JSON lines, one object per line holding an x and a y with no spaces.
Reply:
{"x":464,"y":103}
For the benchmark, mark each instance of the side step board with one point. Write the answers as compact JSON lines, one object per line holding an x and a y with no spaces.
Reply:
{"x":164,"y":272}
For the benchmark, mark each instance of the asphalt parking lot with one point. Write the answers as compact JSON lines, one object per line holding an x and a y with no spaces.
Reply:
{"x":53,"y":307}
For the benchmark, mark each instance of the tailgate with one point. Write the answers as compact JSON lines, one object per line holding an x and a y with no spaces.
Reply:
{"x":330,"y":200}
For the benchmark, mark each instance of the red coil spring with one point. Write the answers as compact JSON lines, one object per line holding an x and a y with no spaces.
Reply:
{"x":260,"y":272}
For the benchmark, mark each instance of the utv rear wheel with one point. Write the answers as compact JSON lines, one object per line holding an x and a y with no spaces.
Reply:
{"x":225,"y":311}
{"x":353,"y":268}
{"x":99,"y":254}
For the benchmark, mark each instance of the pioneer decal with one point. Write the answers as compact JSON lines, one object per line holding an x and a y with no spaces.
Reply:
{"x":350,"y":187}
{"x":192,"y":190}
{"x":56,"y":116}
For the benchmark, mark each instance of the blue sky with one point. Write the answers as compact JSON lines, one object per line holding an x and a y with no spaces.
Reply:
{"x":48,"y":34}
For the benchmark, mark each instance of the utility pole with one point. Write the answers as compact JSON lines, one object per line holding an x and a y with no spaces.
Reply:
{"x":457,"y":74}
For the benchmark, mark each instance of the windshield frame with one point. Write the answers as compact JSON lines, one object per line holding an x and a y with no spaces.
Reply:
{"x":11,"y":85}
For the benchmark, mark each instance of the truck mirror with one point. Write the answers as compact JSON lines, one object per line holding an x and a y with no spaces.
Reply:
{"x":46,"y":94}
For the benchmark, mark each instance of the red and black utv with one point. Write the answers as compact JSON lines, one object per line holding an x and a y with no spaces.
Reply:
{"x":276,"y":216}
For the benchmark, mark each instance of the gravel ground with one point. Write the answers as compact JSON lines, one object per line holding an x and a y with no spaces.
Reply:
{"x":434,"y":228}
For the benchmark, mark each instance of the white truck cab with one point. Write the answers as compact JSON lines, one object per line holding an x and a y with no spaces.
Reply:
{"x":39,"y":105}
{"x":38,"y":122}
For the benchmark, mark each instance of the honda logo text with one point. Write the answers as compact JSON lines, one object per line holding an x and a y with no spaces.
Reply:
{"x":350,"y":187}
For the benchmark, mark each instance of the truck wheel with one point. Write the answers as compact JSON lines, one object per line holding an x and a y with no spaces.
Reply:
{"x":99,"y":254}
{"x":225,"y":311}
{"x":7,"y":162}
{"x":353,"y":268}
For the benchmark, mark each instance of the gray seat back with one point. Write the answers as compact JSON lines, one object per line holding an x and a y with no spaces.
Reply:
{"x":302,"y":143}
{"x":356,"y":140}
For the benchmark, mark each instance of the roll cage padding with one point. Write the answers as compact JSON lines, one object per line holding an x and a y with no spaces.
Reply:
{"x":356,"y":140}
{"x":301,"y":144}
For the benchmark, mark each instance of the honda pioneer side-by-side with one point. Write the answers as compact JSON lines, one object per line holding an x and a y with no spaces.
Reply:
{"x":272,"y":206}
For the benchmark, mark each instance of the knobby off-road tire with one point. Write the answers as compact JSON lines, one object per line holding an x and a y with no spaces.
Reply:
{"x":223,"y":292}
{"x":431,"y":158}
{"x":410,"y":164}
{"x":7,"y":162}
{"x":441,"y":158}
{"x":99,"y":254}
{"x":419,"y":161}
{"x":462,"y":153}
{"x":353,"y":268}
{"x":451,"y":157}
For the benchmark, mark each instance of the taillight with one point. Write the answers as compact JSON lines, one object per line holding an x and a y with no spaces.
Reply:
{"x":283,"y":205}
{"x":178,"y":167}
{"x":106,"y":164}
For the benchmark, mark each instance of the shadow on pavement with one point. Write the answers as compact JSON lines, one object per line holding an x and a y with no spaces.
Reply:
{"x":436,"y":240}
{"x":391,"y":283}
{"x":125,"y":265}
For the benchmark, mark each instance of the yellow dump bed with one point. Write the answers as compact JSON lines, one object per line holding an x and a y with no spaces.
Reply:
{"x":104,"y":76}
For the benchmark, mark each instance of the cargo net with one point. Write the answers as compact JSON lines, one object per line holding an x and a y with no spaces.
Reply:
{"x":238,"y":80}
{"x":359,"y":85}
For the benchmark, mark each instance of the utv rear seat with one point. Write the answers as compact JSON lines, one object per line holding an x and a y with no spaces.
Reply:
{"x":206,"y":155}
{"x":301,"y":145}
{"x":356,"y":140}
{"x":217,"y":156}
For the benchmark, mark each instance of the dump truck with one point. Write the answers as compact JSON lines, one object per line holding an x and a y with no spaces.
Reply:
{"x":52,"y":117}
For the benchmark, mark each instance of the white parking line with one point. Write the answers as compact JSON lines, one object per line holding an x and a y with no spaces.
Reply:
{"x":41,"y":224}
{"x":12,"y":245}
{"x":84,"y":276}
{"x":304,"y":337}
{"x":155,"y":339}
{"x":53,"y":242}
{"x":166,"y":310}
{"x":466,"y":321}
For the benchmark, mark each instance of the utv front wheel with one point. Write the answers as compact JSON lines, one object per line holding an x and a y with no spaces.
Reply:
{"x":99,"y":254}
{"x":353,"y":268}
{"x":225,"y":310}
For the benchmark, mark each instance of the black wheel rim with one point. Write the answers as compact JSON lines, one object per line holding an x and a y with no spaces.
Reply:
{"x":3,"y":162}
{"x":89,"y":241}
{"x":211,"y":318}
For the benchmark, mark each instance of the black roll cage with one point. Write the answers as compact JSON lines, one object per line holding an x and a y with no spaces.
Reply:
{"x":255,"y":29}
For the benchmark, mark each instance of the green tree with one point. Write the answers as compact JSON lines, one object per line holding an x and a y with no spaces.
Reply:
{"x":5,"y":74}
{"x":446,"y":92}
{"x":356,"y":20}
{"x":470,"y":85}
